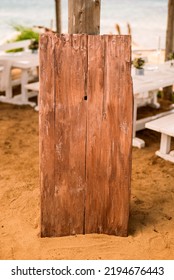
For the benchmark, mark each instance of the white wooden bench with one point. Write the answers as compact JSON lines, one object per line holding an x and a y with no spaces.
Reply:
{"x":33,"y":90}
{"x":165,"y":126}
{"x":15,"y":45}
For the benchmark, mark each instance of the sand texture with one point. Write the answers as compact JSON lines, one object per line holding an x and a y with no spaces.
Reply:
{"x":151,"y":227}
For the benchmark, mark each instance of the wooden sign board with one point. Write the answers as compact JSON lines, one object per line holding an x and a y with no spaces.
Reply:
{"x":86,"y":109}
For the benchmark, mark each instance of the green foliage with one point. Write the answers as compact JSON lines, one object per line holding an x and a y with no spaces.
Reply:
{"x":15,"y":50}
{"x":138,"y":62}
{"x":25,"y":33}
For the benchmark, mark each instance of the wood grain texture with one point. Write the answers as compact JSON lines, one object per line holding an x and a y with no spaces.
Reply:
{"x":47,"y":134}
{"x":168,"y":91}
{"x":170,"y":30}
{"x":109,"y":135}
{"x":70,"y":134}
{"x":58,"y":16}
{"x":84,"y":16}
{"x":63,"y":198}
{"x":85,"y":134}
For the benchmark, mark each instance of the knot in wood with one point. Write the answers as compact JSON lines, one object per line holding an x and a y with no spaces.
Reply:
{"x":97,"y":3}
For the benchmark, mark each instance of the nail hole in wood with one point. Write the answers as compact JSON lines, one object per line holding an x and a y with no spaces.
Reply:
{"x":85,"y":97}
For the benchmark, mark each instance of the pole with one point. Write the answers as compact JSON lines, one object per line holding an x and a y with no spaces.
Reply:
{"x":84,"y":16}
{"x":169,"y":43}
{"x":58,"y":15}
{"x":170,"y":29}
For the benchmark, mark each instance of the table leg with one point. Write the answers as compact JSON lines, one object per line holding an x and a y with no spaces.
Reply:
{"x":24,"y":81}
{"x":154,"y":103}
{"x":137,"y":142}
{"x":164,"y":151}
{"x":165,"y":144}
{"x":134,"y":117}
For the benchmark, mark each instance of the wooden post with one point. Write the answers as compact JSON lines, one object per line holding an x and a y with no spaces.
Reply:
{"x":170,"y":29}
{"x":169,"y":43}
{"x":84,"y":16}
{"x":58,"y":15}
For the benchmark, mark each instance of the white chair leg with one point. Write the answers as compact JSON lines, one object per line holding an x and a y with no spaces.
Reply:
{"x":8,"y":92}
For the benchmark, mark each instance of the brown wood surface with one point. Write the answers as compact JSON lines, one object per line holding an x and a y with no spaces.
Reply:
{"x":47,"y":135}
{"x":168,"y":91}
{"x":70,"y":135}
{"x":109,"y":135}
{"x":170,"y":29}
{"x":85,"y":134}
{"x":63,"y":201}
{"x":58,"y":16}
{"x":84,"y":16}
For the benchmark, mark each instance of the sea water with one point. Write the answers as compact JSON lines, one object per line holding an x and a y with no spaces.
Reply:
{"x":147,"y":18}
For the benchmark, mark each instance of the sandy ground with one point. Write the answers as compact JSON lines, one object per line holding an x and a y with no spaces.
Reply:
{"x":151,"y":227}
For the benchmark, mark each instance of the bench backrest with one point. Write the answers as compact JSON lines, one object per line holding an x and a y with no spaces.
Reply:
{"x":15,"y":45}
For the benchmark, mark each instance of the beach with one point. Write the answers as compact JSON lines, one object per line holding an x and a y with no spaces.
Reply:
{"x":151,"y":223}
{"x":147,"y":18}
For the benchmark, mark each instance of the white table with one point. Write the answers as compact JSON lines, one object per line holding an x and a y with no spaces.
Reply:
{"x":145,"y":89}
{"x":24,"y":61}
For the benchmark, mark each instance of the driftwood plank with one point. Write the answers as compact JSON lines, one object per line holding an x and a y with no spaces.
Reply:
{"x":120,"y":125}
{"x":65,"y":204}
{"x":70,"y":134}
{"x":47,"y":135}
{"x":109,"y":135}
{"x":85,"y":134}
{"x":96,"y":161}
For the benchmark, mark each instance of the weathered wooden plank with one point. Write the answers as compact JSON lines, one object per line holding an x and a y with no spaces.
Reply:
{"x":85,"y":134}
{"x":109,"y":135}
{"x":47,"y":134}
{"x":120,"y":84}
{"x":70,"y":63}
{"x":96,"y":177}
